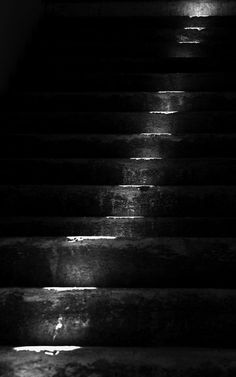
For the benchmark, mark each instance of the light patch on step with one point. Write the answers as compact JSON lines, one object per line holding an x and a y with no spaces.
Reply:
{"x":145,"y":158}
{"x":155,"y":134}
{"x":201,"y":8}
{"x":194,"y":28}
{"x":68,"y":289}
{"x":124,"y":217}
{"x":48,"y":350}
{"x":136,"y":186}
{"x":163,"y":112}
{"x":73,"y":239}
{"x":189,"y":42}
{"x":170,"y":92}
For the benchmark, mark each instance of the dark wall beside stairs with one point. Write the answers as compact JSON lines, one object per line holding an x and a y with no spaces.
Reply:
{"x":17,"y":20}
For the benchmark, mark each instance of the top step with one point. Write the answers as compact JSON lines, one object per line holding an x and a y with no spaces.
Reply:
{"x":144,"y":8}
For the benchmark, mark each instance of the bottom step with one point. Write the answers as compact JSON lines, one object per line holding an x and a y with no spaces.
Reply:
{"x":117,"y":362}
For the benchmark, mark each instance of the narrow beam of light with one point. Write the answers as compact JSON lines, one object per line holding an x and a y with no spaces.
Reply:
{"x":124,"y":217}
{"x":68,"y":289}
{"x":163,"y":112}
{"x":198,"y":15}
{"x":170,"y":91}
{"x":156,"y":134}
{"x":194,"y":28}
{"x":49,"y":350}
{"x":88,"y":238}
{"x":145,"y":158}
{"x":189,"y":42}
{"x":136,"y":186}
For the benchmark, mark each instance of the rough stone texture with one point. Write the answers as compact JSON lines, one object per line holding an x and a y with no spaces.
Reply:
{"x":205,"y":122}
{"x":118,"y":317}
{"x":142,"y":145}
{"x":71,"y":80}
{"x":205,"y":171}
{"x":167,"y":201}
{"x":106,"y":362}
{"x":124,"y":101}
{"x":118,"y":227}
{"x":85,"y":262}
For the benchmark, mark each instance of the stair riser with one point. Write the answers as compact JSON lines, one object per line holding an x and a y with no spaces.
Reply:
{"x":119,"y":172}
{"x":119,"y":317}
{"x":117,"y":201}
{"x":85,"y":262}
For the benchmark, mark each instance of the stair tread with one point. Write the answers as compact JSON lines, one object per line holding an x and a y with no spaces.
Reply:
{"x":134,"y":361}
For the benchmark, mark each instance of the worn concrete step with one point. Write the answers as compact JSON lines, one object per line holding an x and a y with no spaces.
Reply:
{"x":118,"y":34}
{"x":138,"y":64}
{"x":143,"y":145}
{"x":139,"y":362}
{"x":204,"y":122}
{"x":69,"y":80}
{"x":131,"y":226}
{"x":64,"y":26}
{"x":167,"y":201}
{"x":150,"y":8}
{"x":116,"y":262}
{"x":122,"y":101}
{"x":118,"y":317}
{"x":119,"y":171}
{"x":151,"y":49}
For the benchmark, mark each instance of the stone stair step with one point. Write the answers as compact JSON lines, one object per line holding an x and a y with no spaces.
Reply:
{"x":122,"y":101}
{"x":100,"y":201}
{"x":118,"y":317}
{"x":63,"y":26}
{"x":176,"y":123}
{"x":119,"y":171}
{"x":129,"y":64}
{"x":73,"y":81}
{"x":69,"y":361}
{"x":143,"y":145}
{"x":118,"y":226}
{"x":148,"y":50}
{"x":85,"y":261}
{"x":152,"y":8}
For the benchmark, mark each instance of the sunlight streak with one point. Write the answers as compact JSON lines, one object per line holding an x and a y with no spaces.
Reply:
{"x":67,"y":289}
{"x":194,"y":28}
{"x":88,"y":238}
{"x":163,"y":112}
{"x":48,"y":350}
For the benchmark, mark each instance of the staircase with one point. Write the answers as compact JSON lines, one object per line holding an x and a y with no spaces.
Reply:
{"x":118,"y":193}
